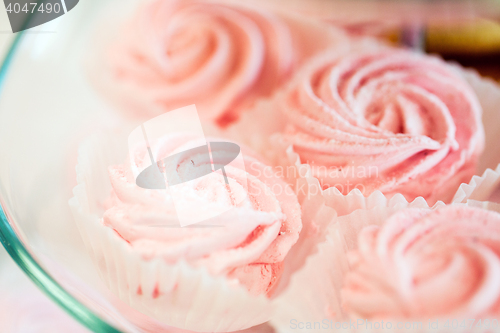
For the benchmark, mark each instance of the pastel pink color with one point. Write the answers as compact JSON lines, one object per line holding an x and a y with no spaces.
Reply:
{"x":427,"y":264}
{"x":249,"y":243}
{"x":25,"y":309}
{"x":390,"y":120}
{"x":219,"y":56}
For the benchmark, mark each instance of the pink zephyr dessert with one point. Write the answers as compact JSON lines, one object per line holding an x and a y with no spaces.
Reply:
{"x":220,"y":56}
{"x":387,"y":120}
{"x":427,"y":264}
{"x":248,"y":245}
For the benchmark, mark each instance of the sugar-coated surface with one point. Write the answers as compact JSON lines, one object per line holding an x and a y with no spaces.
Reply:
{"x":387,"y":120}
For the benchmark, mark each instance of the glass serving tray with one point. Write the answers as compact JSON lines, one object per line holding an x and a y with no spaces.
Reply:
{"x":46,"y":107}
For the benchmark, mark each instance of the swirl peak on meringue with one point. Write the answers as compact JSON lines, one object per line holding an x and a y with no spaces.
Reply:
{"x":427,"y":264}
{"x":409,"y":116}
{"x":248,"y":243}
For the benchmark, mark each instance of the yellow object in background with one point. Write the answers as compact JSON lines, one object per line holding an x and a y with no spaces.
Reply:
{"x":478,"y":37}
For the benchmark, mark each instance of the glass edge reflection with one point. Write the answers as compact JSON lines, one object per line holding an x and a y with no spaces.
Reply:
{"x":21,"y":256}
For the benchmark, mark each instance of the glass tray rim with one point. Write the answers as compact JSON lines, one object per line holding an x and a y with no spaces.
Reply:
{"x":22,"y":256}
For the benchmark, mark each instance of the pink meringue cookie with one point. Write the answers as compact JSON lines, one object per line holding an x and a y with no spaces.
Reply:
{"x":427,"y":264}
{"x":250,"y":251}
{"x":219,"y":56}
{"x":387,"y":120}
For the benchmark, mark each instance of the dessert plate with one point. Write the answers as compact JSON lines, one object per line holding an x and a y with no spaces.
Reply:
{"x":46,"y":107}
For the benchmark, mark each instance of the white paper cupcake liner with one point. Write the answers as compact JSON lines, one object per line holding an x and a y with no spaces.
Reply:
{"x":308,"y":189}
{"x":177,"y":295}
{"x":479,"y":188}
{"x":313,"y":294}
{"x":488,"y":93}
{"x":482,"y":187}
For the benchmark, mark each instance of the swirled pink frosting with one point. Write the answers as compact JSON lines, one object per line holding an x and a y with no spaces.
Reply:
{"x":387,"y":120}
{"x":422,"y":263}
{"x":247,"y":245}
{"x":219,"y":56}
